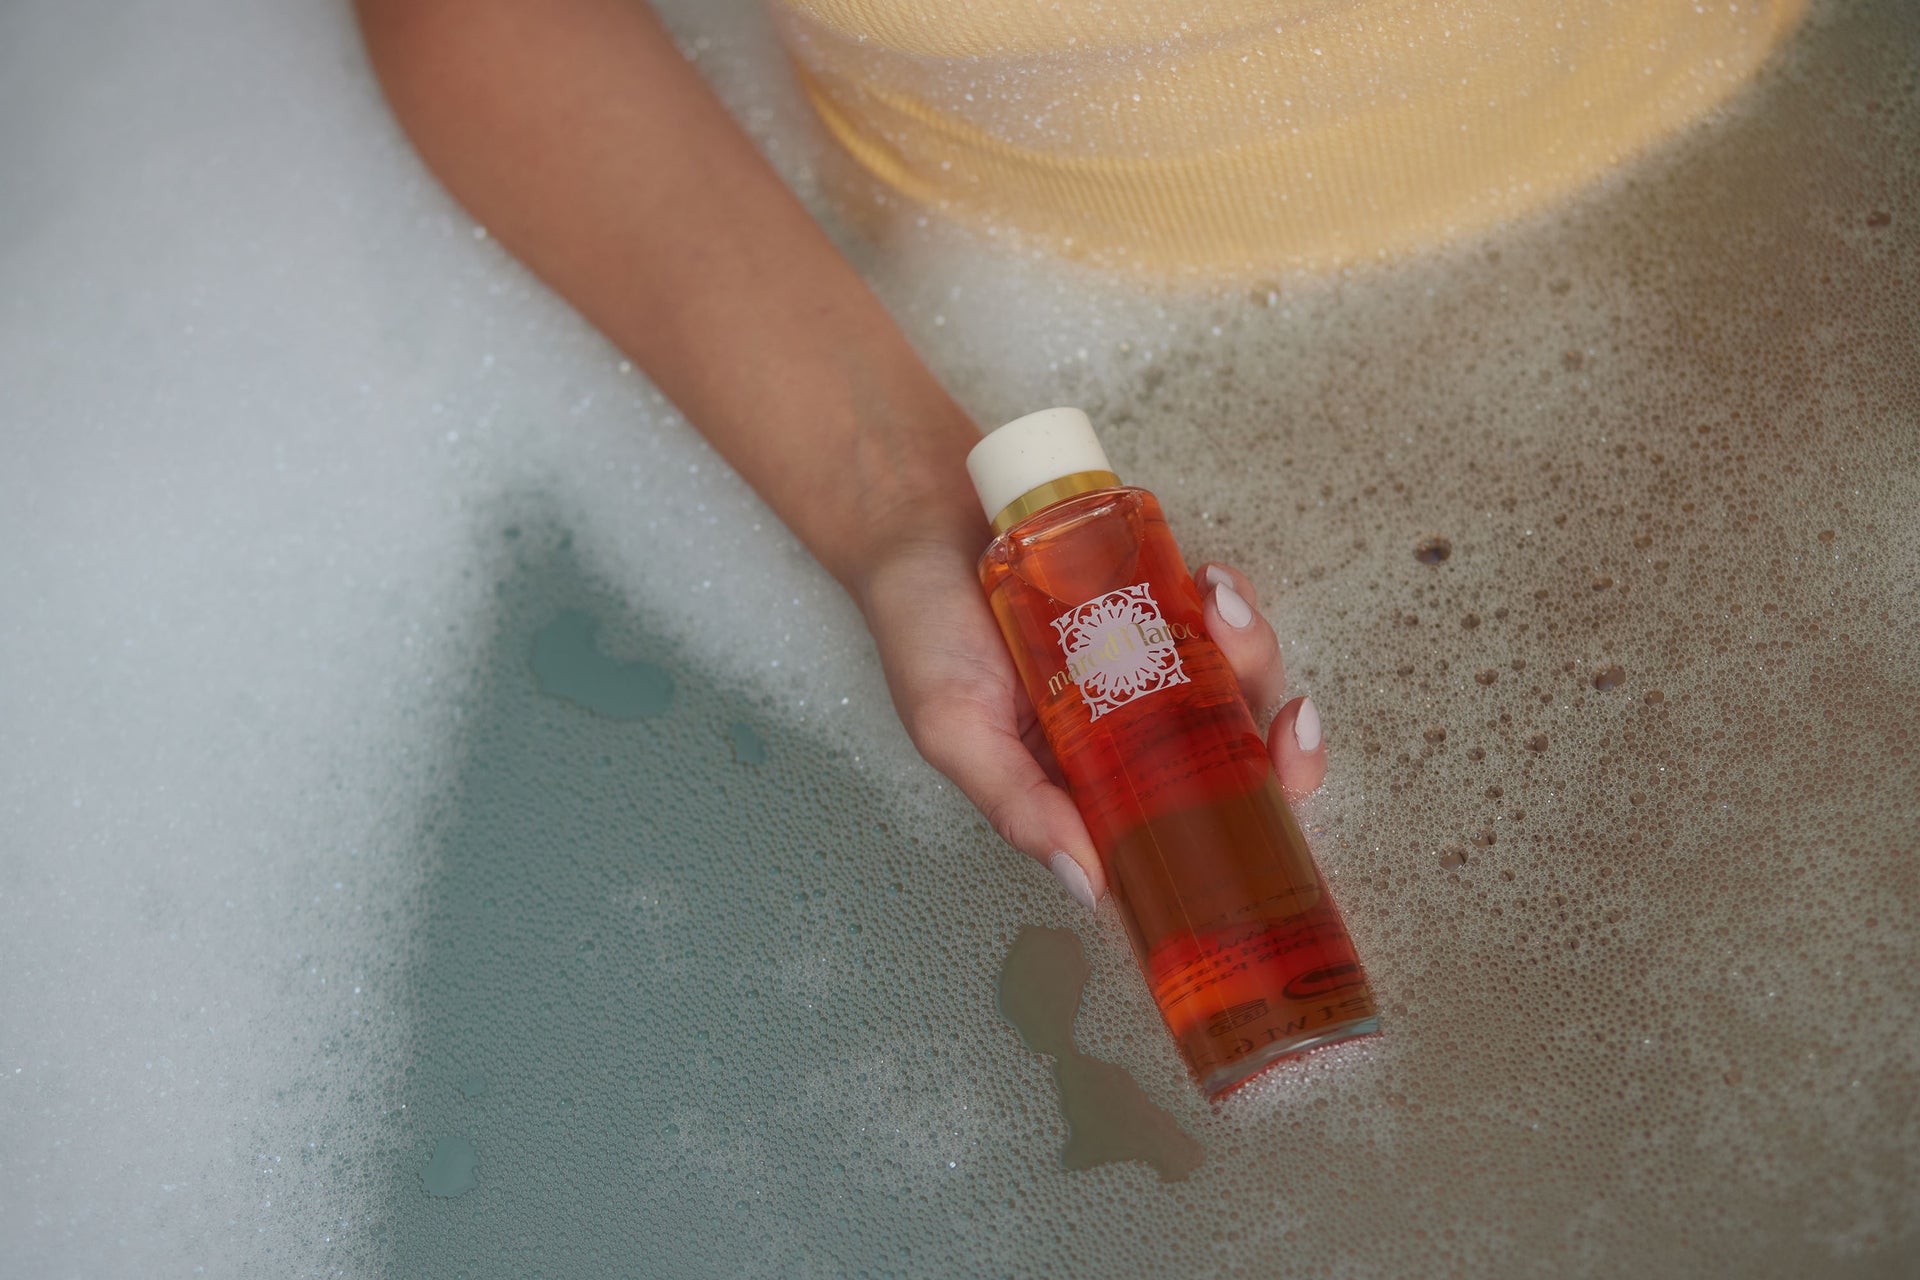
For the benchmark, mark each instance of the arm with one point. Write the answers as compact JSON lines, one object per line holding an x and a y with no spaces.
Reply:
{"x":575,"y":131}
{"x":577,"y":134}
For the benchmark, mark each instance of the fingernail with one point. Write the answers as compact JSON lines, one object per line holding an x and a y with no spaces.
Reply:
{"x":1071,"y":878}
{"x":1215,"y":576}
{"x":1234,"y":611}
{"x":1306,"y":726}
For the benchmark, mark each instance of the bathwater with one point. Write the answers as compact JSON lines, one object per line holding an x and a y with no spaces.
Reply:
{"x":448,"y":828}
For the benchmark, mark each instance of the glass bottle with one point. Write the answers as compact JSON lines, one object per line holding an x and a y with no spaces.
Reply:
{"x":1243,"y":948}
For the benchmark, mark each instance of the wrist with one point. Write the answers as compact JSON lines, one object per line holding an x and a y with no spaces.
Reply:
{"x":903,"y":490}
{"x":909,"y":522}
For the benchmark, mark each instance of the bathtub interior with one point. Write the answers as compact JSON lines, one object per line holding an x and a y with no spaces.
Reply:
{"x":451,"y":828}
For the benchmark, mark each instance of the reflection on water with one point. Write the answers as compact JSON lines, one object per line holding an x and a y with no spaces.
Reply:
{"x":1108,"y":1116}
{"x":684,"y":997}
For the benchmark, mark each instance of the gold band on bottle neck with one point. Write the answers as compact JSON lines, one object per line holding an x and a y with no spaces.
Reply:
{"x":1045,"y":495}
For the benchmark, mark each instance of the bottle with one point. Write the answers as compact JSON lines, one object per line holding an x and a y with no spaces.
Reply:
{"x":1242,"y":947}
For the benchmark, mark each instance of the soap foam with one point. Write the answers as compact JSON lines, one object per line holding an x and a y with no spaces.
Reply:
{"x":1644,"y":952}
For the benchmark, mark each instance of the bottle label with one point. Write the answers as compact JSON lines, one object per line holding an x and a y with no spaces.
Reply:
{"x":1118,"y":648}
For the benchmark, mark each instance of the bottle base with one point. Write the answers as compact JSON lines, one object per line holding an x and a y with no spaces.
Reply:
{"x":1221,"y":1081}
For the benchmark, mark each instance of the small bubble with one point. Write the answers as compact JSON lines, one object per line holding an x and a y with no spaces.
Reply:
{"x":1432,"y":550}
{"x":1654,"y":695}
{"x":1609,"y":677}
{"x":1471,"y":621}
{"x":1826,"y":535}
{"x":1538,"y":742}
{"x":1602,"y":582}
{"x":1486,"y":677}
{"x":1435,"y":734}
{"x":1452,"y":856}
{"x":1475,"y":753}
{"x":1879,"y":218}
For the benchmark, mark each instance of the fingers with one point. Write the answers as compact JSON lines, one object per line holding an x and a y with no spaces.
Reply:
{"x":1298,"y":748}
{"x":998,"y":772}
{"x":1294,"y":739}
{"x":1231,"y":609}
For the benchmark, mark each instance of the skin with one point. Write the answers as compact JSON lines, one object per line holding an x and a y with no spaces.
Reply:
{"x":577,"y":134}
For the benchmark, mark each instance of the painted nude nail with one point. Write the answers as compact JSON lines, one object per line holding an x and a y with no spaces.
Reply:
{"x":1071,"y":878}
{"x":1234,"y":611}
{"x":1306,"y":725}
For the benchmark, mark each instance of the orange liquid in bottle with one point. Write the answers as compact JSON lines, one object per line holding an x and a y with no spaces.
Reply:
{"x":1243,"y":948}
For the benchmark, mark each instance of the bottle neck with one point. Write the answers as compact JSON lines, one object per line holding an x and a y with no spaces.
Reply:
{"x":1045,"y":495}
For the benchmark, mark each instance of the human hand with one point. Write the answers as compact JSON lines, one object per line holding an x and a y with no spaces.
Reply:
{"x":957,"y":692}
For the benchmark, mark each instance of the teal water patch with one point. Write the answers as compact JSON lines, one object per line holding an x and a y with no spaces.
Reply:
{"x":1109,"y":1116}
{"x":701,"y":997}
{"x":748,"y":747}
{"x":569,"y":664}
{"x":450,"y":1170}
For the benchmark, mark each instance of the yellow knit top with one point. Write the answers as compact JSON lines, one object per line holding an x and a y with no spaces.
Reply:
{"x":1245,"y":134}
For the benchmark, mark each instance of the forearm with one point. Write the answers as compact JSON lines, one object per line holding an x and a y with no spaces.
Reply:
{"x":576,"y":133}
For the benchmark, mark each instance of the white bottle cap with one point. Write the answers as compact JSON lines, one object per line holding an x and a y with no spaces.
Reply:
{"x":1031,"y":454}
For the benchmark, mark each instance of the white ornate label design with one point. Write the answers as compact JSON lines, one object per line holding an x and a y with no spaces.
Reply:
{"x":1118,"y":648}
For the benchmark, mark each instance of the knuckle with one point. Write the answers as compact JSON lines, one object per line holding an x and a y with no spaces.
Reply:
{"x":1001,"y":812}
{"x":1255,"y":649}
{"x":933,"y":725}
{"x":994,"y":810}
{"x":923,"y":725}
